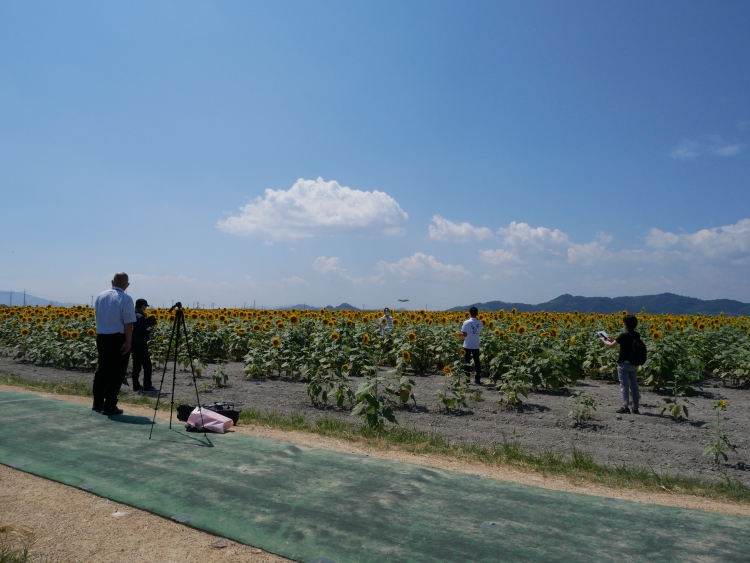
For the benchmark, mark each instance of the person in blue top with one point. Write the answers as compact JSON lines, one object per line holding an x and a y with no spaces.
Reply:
{"x":470,"y":333}
{"x":626,"y":372}
{"x":142,"y":329}
{"x":115,"y":315}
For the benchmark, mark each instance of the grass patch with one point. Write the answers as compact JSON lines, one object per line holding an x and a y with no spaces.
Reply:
{"x":574,"y":464}
{"x":77,"y":388}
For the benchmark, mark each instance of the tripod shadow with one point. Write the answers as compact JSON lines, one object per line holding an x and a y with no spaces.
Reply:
{"x":178,"y":437}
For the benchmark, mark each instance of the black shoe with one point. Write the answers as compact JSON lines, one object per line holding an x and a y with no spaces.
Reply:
{"x":97,"y":408}
{"x":478,"y":381}
{"x":636,"y":411}
{"x":112,"y":412}
{"x":150,"y":389}
{"x":623,"y":410}
{"x":136,"y":389}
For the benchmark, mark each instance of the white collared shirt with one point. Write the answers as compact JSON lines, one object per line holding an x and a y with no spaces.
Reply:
{"x":114,"y":309}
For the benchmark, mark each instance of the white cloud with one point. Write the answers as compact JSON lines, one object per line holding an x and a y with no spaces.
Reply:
{"x":294,"y":281}
{"x":714,"y":144}
{"x":421,"y":264}
{"x":314,"y":208}
{"x":731,"y":241}
{"x":538,"y":238}
{"x":330,"y":265}
{"x":499,"y":257}
{"x":443,"y":229}
{"x":686,"y":149}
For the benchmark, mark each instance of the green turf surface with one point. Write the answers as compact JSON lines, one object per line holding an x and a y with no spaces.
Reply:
{"x":304,"y":503}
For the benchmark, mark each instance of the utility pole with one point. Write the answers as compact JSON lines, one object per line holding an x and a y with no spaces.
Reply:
{"x":10,"y":303}
{"x":92,"y":301}
{"x":253,"y":304}
{"x":24,"y":298}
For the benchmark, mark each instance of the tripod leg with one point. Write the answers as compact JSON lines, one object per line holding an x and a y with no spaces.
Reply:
{"x":176,"y":357}
{"x":161,"y":384}
{"x":192,"y":371}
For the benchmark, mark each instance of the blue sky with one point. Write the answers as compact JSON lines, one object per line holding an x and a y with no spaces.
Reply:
{"x":320,"y":152}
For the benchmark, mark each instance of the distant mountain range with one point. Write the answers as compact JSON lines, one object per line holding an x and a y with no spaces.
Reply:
{"x":16,"y":298}
{"x":656,"y":304}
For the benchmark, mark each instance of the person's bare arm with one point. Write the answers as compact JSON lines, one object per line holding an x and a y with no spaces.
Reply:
{"x":612,"y":343}
{"x":128,"y":338}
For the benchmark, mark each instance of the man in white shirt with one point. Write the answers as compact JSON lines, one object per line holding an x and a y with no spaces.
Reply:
{"x":115,"y":315}
{"x":470,"y":333}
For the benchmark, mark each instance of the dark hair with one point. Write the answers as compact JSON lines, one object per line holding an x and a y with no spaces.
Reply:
{"x":140,"y":302}
{"x":473,"y":311}
{"x":630,"y":322}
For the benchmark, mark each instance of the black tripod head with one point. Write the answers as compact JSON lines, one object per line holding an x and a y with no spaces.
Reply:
{"x":177,"y":305}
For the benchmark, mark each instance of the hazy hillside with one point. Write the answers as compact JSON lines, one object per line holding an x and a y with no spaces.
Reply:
{"x":17,"y":299}
{"x":657,"y":304}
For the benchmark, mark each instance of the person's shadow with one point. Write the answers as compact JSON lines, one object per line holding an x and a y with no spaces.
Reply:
{"x":129,"y":419}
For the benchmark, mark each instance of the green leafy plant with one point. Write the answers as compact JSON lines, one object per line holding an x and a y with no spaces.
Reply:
{"x":719,"y":443}
{"x":677,"y":403}
{"x":220,"y":376}
{"x":371,"y":406}
{"x":453,"y":395}
{"x":583,"y":407}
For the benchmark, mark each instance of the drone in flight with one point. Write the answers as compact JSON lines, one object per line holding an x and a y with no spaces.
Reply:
{"x":403,"y":300}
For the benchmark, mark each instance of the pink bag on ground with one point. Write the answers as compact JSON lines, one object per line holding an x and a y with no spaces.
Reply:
{"x":212,"y":421}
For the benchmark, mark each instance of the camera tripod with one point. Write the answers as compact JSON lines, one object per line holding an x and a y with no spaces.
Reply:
{"x":179,"y":324}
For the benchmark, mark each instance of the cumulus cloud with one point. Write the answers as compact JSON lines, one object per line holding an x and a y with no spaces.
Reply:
{"x":499,"y":257}
{"x":731,"y":241}
{"x":314,"y":208}
{"x":714,"y":144}
{"x":331,"y":265}
{"x":443,"y":229}
{"x":421,"y":264}
{"x":518,"y":235}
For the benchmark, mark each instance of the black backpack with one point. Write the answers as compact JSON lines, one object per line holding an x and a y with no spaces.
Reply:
{"x":638,"y":352}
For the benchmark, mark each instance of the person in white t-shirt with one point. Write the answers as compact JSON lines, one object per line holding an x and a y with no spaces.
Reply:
{"x":470,"y":333}
{"x":386,"y":321}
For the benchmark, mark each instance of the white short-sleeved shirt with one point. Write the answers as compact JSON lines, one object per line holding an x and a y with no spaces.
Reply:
{"x":472,"y":328}
{"x":113,"y":309}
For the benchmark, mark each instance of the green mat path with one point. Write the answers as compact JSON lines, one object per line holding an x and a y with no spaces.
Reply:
{"x":311,"y":504}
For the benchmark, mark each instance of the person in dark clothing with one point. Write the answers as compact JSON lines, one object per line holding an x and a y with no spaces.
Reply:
{"x":626,"y":372}
{"x":141,"y":358}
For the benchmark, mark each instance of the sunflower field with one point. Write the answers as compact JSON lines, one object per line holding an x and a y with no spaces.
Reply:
{"x":521,"y":352}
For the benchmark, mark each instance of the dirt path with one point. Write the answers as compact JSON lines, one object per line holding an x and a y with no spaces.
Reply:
{"x":542,"y":424}
{"x":502,"y":473}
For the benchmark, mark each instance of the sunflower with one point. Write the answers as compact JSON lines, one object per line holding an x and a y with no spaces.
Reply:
{"x":463,"y":351}
{"x":256,"y":327}
{"x":40,"y":326}
{"x":411,"y":336}
{"x":160,"y":337}
{"x":553,"y":332}
{"x":395,"y":322}
{"x":521,"y":330}
{"x":24,"y":331}
{"x":447,"y":370}
{"x":524,"y":357}
{"x":214,"y":327}
{"x":366,"y":339}
{"x":194,"y":316}
{"x":657,"y":335}
{"x":668,"y":326}
{"x":335,"y":336}
{"x":345,"y":367}
{"x":544,"y":334}
{"x":280,"y":325}
{"x":498,"y":332}
{"x":222,"y":318}
{"x":276,"y":342}
{"x":241,"y":331}
{"x":294,"y":319}
{"x":406,"y":355}
{"x":64,"y":333}
{"x":202,"y":324}
{"x":74,"y":334}
{"x":701,"y":326}
{"x":571,"y":341}
{"x":722,"y":403}
{"x":170,"y":318}
{"x":91,"y":332}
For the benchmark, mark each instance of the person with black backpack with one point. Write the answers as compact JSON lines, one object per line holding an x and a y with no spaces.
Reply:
{"x":632,"y":354}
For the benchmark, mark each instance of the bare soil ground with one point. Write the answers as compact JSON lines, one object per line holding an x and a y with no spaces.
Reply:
{"x":542,"y":423}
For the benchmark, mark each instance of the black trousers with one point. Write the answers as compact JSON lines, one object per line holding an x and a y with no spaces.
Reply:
{"x":111,"y":369}
{"x":141,"y":359}
{"x":477,"y":364}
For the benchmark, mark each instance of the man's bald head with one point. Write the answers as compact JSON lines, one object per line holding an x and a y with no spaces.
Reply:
{"x":121,"y":280}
